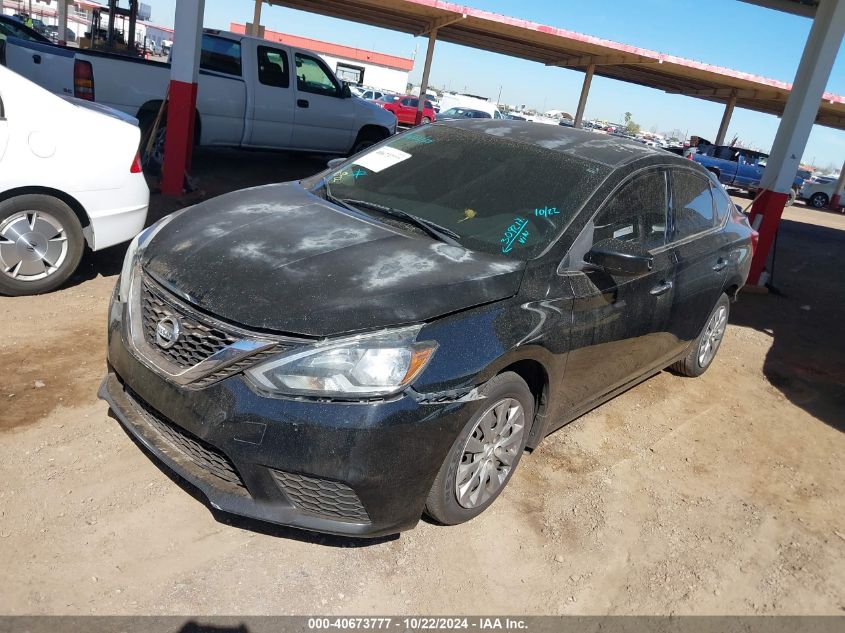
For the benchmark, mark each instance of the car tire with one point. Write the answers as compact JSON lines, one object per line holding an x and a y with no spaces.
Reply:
{"x":493,"y":432}
{"x":41,"y":243}
{"x":425,"y":121}
{"x":365,"y":139}
{"x":819,"y":200}
{"x":703,"y":349}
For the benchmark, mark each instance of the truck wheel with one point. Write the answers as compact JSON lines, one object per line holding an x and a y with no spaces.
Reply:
{"x":154,"y":159}
{"x":41,"y":243}
{"x":367,"y":138}
{"x":819,"y":200}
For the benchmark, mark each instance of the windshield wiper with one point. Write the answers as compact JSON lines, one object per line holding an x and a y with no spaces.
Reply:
{"x":432,"y":228}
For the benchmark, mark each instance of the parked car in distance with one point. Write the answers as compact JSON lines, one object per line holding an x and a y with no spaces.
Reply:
{"x":251,"y":93}
{"x":53,"y":34}
{"x":452,"y":100}
{"x":463,"y":113}
{"x":58,"y":190}
{"x":450,"y":297}
{"x":404,"y":107}
{"x":819,"y":194}
{"x":371,"y":95}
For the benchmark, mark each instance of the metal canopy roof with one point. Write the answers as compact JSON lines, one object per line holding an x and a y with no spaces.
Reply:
{"x":806,"y":8}
{"x":558,"y":47}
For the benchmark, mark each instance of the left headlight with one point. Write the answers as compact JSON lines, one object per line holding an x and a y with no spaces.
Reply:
{"x":136,"y":247}
{"x":366,"y":366}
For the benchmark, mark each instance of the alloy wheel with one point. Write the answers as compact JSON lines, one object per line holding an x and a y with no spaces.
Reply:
{"x":490,"y":452}
{"x":33,"y":245}
{"x":712,"y":336}
{"x":819,"y":201}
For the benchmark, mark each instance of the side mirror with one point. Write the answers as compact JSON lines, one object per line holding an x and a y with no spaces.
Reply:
{"x":336,"y":162}
{"x":620,"y":258}
{"x":345,"y":92}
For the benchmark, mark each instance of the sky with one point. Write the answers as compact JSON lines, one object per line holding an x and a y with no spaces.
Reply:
{"x":727,"y":33}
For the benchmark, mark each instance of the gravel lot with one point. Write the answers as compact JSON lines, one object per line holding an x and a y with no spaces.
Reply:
{"x":722,"y":494}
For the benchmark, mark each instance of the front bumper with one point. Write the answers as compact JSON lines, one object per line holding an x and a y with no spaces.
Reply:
{"x":343,"y":468}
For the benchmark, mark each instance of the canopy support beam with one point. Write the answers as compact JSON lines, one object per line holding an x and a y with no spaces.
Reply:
{"x":585,"y":91}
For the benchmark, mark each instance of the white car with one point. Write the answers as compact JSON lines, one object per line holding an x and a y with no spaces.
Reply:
{"x":70,"y":175}
{"x":819,"y":194}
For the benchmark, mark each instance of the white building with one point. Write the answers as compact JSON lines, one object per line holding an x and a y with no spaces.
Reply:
{"x":388,"y":73}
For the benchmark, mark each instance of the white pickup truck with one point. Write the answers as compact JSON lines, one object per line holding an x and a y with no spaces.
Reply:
{"x":251,"y":92}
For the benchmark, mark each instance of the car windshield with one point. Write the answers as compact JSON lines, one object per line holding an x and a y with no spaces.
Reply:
{"x":499,"y":196}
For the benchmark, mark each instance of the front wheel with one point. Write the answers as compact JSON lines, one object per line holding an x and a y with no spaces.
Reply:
{"x":41,"y":243}
{"x":703,"y":350}
{"x":485,"y":454}
{"x":819,"y":200}
{"x":367,"y":138}
{"x":425,"y":121}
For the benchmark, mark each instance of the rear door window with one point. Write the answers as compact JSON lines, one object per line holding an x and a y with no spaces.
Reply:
{"x":273,"y":67}
{"x":723,"y":203}
{"x":220,"y":55}
{"x":692,"y":205}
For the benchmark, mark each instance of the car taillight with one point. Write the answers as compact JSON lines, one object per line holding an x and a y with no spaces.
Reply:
{"x":755,"y":237}
{"x":83,"y":80}
{"x":136,"y":164}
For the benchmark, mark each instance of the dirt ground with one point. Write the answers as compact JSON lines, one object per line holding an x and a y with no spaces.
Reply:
{"x":722,"y":494}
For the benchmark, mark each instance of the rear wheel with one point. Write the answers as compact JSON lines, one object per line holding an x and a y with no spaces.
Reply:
{"x":819,"y":200}
{"x":153,"y":159}
{"x":703,"y":350}
{"x":485,"y":454}
{"x":41,"y":243}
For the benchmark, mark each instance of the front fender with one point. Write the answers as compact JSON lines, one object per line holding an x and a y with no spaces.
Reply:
{"x":477,"y":344}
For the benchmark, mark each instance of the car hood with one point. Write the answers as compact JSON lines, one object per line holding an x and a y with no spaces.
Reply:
{"x":282,"y":259}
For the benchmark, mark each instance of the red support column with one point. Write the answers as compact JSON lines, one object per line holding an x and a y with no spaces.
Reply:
{"x":796,"y":123}
{"x":179,"y":136}
{"x":765,"y":218}
{"x":182,"y":98}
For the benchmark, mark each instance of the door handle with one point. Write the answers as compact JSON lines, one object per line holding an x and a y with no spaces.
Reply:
{"x":666,"y":286}
{"x":36,"y":59}
{"x":720,"y":265}
{"x":302,"y":103}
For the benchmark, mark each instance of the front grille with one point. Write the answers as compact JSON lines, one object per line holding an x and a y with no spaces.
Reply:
{"x":197,"y":340}
{"x":211,"y":462}
{"x":321,"y":497}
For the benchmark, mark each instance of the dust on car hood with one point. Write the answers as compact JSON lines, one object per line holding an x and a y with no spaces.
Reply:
{"x":280,"y":258}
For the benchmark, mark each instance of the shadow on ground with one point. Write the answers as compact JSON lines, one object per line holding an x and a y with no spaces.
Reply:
{"x":805,"y":318}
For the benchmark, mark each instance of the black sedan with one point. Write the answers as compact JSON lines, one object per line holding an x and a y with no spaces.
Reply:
{"x":388,"y":337}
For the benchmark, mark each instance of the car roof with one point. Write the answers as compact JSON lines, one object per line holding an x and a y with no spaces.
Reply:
{"x":611,"y":151}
